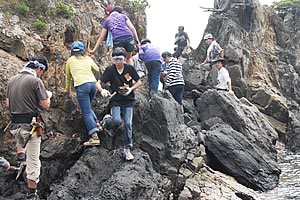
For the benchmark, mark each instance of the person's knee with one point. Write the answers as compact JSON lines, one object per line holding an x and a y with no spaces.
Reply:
{"x":116,"y":122}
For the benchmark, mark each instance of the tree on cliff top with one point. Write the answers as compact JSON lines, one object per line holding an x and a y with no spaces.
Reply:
{"x":282,"y":6}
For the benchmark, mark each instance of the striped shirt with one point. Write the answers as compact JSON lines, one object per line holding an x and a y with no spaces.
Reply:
{"x":174,"y":73}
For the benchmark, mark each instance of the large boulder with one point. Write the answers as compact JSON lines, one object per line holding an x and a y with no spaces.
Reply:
{"x":241,"y":115}
{"x":241,"y":158}
{"x":100,"y":174}
{"x":165,"y":137}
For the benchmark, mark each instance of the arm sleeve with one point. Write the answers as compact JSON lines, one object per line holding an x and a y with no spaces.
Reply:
{"x":141,"y":53}
{"x":218,"y":47}
{"x":95,"y":67}
{"x":226,"y":76}
{"x":41,"y":90}
{"x":134,"y":74}
{"x":186,"y":36}
{"x":68,"y":77}
{"x":105,"y":76}
{"x":168,"y":69}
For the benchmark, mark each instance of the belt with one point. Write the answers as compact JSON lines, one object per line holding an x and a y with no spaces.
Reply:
{"x":23,"y":118}
{"x":221,"y":89}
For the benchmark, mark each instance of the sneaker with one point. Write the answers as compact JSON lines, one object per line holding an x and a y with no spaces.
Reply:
{"x":128,"y":155}
{"x":32,"y":196}
{"x":93,"y":141}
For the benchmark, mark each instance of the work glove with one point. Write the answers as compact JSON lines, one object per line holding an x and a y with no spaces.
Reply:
{"x":105,"y":93}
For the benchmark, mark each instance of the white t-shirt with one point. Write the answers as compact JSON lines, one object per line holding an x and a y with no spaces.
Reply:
{"x":213,"y":50}
{"x":223,"y":78}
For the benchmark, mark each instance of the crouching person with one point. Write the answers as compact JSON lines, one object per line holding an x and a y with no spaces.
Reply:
{"x":123,"y":79}
{"x":26,"y":95}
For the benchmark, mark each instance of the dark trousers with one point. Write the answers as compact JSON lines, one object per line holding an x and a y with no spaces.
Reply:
{"x":177,"y":92}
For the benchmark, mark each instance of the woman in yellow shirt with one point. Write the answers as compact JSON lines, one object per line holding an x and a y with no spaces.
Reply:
{"x":81,"y":69}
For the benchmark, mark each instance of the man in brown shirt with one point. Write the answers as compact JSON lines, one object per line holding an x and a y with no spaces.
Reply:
{"x":26,"y":95}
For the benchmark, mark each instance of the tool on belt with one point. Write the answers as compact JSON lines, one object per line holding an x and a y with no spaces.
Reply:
{"x":36,"y":127}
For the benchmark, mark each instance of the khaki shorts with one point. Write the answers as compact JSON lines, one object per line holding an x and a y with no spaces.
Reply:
{"x":32,"y":152}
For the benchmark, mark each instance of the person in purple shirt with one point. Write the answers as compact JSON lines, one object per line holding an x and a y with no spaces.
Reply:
{"x":151,"y":56}
{"x":123,"y":33}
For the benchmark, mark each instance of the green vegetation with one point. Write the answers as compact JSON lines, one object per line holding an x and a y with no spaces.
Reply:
{"x":23,"y":8}
{"x":40,"y":24}
{"x":283,"y":5}
{"x":133,"y":6}
{"x":64,"y":10}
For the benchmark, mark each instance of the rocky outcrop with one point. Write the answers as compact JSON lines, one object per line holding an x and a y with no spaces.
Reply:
{"x":243,"y":116}
{"x":208,"y":184}
{"x":9,"y":66}
{"x":100,"y":174}
{"x":240,"y":158}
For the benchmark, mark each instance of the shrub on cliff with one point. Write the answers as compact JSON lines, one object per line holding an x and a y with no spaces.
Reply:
{"x":64,"y":10}
{"x":23,"y":9}
{"x":282,"y":6}
{"x":39,"y":24}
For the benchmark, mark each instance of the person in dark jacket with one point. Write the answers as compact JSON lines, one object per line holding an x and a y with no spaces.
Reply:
{"x":182,"y":40}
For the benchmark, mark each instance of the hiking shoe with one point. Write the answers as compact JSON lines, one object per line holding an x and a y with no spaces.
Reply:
{"x":32,"y":196}
{"x":93,"y":141}
{"x":128,"y":155}
{"x":106,"y":118}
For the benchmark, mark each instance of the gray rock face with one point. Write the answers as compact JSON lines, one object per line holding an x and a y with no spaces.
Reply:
{"x":9,"y":66}
{"x":166,"y":138}
{"x":101,"y":175}
{"x":243,"y":116}
{"x":242,"y":159}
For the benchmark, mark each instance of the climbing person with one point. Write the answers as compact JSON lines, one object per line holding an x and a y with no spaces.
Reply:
{"x":150,"y":54}
{"x":109,"y":40}
{"x":123,"y":80}
{"x":26,"y":95}
{"x":4,"y":164}
{"x":82,"y":69}
{"x":138,"y":64}
{"x":214,"y":51}
{"x":182,"y":40}
{"x":174,"y":79}
{"x":123,"y":33}
{"x":223,"y":78}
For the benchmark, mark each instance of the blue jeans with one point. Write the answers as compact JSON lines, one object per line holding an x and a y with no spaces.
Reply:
{"x":154,"y":68}
{"x":85,"y":94}
{"x":127,"y":114}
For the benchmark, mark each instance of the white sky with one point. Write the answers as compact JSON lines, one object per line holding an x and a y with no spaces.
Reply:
{"x":164,"y":17}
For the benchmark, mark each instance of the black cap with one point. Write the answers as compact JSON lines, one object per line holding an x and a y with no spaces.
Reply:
{"x":165,"y":54}
{"x":219,"y":59}
{"x":145,"y":41}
